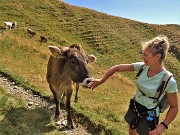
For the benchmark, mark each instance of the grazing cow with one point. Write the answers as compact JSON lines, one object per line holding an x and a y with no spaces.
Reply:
{"x":65,"y":66}
{"x":10,"y":25}
{"x":43,"y":39}
{"x":31,"y":32}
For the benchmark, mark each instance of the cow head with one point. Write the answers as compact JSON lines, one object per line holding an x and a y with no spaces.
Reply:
{"x":76,"y":61}
{"x":14,"y":24}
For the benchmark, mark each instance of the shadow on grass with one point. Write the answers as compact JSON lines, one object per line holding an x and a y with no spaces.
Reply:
{"x":20,"y":121}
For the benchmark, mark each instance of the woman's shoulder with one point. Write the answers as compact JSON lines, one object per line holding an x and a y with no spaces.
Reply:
{"x":172,"y":80}
{"x":138,"y":65}
{"x":171,"y":85}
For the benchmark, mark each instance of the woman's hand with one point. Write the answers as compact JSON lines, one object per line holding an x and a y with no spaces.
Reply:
{"x":158,"y":130}
{"x":94,"y":83}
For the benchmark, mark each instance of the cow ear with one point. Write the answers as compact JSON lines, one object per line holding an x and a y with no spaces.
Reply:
{"x":55,"y":51}
{"x":91,"y":58}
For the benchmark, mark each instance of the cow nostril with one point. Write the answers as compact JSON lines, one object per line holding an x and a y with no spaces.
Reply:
{"x":88,"y":81}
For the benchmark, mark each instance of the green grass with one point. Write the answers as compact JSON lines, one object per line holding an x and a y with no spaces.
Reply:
{"x":113,"y":40}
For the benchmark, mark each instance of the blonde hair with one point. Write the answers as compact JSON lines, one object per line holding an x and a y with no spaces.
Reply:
{"x":157,"y":45}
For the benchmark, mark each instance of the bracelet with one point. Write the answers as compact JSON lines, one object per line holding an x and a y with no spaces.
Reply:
{"x":164,"y":125}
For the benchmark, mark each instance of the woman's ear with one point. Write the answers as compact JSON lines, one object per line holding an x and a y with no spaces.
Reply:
{"x":158,"y":56}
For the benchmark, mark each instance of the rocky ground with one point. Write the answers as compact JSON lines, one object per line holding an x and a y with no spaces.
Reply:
{"x":35,"y":101}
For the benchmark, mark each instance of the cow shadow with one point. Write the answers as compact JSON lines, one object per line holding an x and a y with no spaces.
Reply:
{"x":22,"y":121}
{"x":19,"y":121}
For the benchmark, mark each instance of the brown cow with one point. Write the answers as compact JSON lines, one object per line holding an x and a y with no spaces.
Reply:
{"x":31,"y":32}
{"x":67,"y":65}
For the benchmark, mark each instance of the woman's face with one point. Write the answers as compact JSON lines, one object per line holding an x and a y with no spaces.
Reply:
{"x":148,"y":58}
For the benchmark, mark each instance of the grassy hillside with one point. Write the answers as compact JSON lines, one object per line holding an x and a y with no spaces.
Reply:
{"x":112,"y":39}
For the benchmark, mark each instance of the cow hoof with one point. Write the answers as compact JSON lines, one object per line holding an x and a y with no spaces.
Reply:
{"x":75,"y":100}
{"x":70,"y":125}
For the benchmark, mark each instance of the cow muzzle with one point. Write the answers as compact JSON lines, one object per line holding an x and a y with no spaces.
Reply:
{"x":86,"y":82}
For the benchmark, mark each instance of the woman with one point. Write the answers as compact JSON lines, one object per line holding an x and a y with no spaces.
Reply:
{"x":154,"y":52}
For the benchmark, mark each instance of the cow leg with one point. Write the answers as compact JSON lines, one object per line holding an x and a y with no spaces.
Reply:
{"x":77,"y":89}
{"x":57,"y":112}
{"x":57,"y":103}
{"x":68,"y":107}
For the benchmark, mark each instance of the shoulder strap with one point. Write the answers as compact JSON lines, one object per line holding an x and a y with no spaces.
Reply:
{"x":163,"y":85}
{"x":140,"y":70}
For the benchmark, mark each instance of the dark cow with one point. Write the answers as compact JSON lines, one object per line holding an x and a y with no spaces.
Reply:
{"x":67,"y":65}
{"x":43,"y":39}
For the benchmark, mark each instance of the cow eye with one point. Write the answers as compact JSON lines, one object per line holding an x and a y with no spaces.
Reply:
{"x":73,"y":62}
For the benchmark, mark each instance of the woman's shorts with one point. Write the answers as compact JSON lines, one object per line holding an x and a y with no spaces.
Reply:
{"x":142,"y":128}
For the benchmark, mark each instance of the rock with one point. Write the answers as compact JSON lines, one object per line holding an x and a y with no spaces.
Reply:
{"x":30,"y":103}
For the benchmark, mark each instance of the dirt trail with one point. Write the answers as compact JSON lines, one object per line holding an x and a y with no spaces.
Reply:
{"x":35,"y":101}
